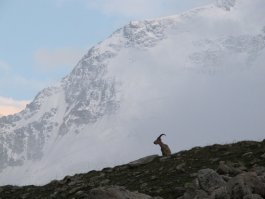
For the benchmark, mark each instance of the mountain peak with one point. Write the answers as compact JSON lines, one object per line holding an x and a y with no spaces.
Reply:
{"x":226,"y":4}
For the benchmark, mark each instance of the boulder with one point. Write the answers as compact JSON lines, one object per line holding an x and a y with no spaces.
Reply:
{"x":116,"y":192}
{"x":263,"y":156}
{"x":260,"y":170}
{"x":181,"y":167}
{"x":252,"y":196}
{"x":142,"y":161}
{"x":220,"y":193}
{"x":195,"y":194}
{"x":245,"y":184}
{"x":209,"y":180}
{"x":225,"y":169}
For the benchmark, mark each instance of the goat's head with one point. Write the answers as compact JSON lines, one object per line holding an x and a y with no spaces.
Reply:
{"x":158,"y":140}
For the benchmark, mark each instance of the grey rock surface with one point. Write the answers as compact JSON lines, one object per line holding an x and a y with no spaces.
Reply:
{"x":245,"y":184}
{"x":253,"y":196}
{"x":209,"y":180}
{"x":116,"y":193}
{"x":142,"y":161}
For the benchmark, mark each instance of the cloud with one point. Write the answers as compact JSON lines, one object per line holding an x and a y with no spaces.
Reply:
{"x":144,"y":8}
{"x":10,"y":106}
{"x":128,"y":8}
{"x":138,"y":9}
{"x":4,"y":67}
{"x":64,"y":57}
{"x":16,"y":85}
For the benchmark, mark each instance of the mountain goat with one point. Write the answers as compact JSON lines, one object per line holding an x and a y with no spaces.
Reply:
{"x":164,"y":148}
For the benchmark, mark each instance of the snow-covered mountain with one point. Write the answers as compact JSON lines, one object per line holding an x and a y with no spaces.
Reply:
{"x":197,"y":76}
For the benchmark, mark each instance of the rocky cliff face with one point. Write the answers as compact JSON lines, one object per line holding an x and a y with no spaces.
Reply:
{"x":87,"y":94}
{"x":226,"y":4}
{"x":231,"y":171}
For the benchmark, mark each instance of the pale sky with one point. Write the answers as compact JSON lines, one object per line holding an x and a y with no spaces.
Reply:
{"x":41,"y":41}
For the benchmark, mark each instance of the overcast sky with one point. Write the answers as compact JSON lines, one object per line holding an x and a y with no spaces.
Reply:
{"x":41,"y":41}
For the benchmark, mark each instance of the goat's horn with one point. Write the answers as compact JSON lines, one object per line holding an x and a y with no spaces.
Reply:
{"x":161,"y":135}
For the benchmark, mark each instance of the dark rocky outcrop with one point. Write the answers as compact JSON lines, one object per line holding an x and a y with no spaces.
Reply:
{"x":211,"y":185}
{"x":112,"y":193}
{"x":232,"y":171}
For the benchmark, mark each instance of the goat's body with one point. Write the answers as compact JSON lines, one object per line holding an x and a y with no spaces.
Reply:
{"x":164,"y":148}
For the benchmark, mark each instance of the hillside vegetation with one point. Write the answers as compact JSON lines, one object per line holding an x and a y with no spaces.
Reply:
{"x":233,"y":171}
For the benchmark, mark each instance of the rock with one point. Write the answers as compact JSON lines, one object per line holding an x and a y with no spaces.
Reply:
{"x":107,"y":170}
{"x":74,"y":183}
{"x":248,"y":154}
{"x":54,"y":195}
{"x":238,"y":189}
{"x":74,"y":190}
{"x":226,"y":178}
{"x":142,"y":161}
{"x":252,"y":196}
{"x":193,"y":191}
{"x":229,"y":168}
{"x":66,"y":180}
{"x":121,"y":168}
{"x":262,"y":178}
{"x":163,"y":159}
{"x":220,"y":193}
{"x":254,"y":161}
{"x":104,"y":182}
{"x":181,"y":197}
{"x":227,"y":153}
{"x":180,"y":167}
{"x":215,"y":159}
{"x":143,"y":185}
{"x":161,"y":169}
{"x":190,"y":191}
{"x":193,"y":175}
{"x":115,"y":193}
{"x":81,"y":195}
{"x":179,"y":191}
{"x":245,"y":184}
{"x":260,"y":170}
{"x":195,"y":194}
{"x":223,"y":168}
{"x":24,"y":196}
{"x":209,"y":180}
{"x":158,"y":190}
{"x":137,"y":174}
{"x":263,"y":156}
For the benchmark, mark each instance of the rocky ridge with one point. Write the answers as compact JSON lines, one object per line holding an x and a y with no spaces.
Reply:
{"x":231,"y":171}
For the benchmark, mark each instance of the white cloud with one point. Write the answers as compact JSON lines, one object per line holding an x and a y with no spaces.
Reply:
{"x":139,"y":8}
{"x":144,"y":8}
{"x":64,"y":57}
{"x":128,"y":8}
{"x":10,"y":106}
{"x":4,"y":67}
{"x":14,"y":84}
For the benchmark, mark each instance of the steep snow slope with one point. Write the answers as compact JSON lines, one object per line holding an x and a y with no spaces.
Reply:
{"x":197,"y":76}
